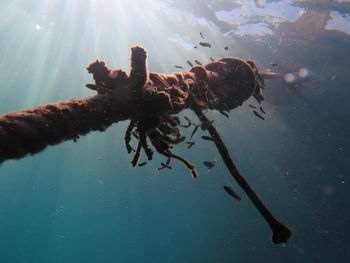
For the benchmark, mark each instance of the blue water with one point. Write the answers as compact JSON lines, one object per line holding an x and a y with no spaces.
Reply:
{"x":83,"y":202}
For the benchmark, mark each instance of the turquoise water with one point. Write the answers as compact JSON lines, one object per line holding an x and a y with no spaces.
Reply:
{"x":83,"y":202}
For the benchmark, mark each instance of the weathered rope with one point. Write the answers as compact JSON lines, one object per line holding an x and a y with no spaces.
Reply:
{"x":30,"y":131}
{"x":150,"y":101}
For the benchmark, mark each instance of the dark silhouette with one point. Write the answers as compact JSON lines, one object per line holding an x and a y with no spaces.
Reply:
{"x":150,"y":101}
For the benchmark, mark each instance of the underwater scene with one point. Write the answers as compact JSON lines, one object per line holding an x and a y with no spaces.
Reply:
{"x":174,"y":131}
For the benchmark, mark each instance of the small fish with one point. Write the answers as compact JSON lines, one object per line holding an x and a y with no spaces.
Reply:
{"x":205,"y":44}
{"x":176,"y":66}
{"x":226,"y":48}
{"x":189,"y":63}
{"x":201,"y":34}
{"x":198,"y":62}
{"x":187,"y":119}
{"x":224,"y":113}
{"x":190,"y":144}
{"x":142,"y":164}
{"x":232,"y":193}
{"x":207,"y":138}
{"x":135,"y":135}
{"x":274,"y":64}
{"x":163,"y":166}
{"x":186,"y":125}
{"x":194,"y":130}
{"x":252,"y":106}
{"x":189,"y":123}
{"x":195,"y":46}
{"x":262,"y":110}
{"x":212,"y":59}
{"x":258,"y":115}
{"x":209,"y":164}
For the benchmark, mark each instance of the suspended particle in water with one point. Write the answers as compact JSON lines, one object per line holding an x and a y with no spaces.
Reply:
{"x":328,"y":189}
{"x":303,"y":73}
{"x":289,"y":78}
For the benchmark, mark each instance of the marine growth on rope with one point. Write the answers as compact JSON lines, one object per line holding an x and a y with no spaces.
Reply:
{"x":150,"y":102}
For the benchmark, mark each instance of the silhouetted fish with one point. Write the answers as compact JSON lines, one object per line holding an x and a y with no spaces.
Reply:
{"x":135,"y":135}
{"x":209,"y":164}
{"x":258,"y":115}
{"x":212,"y":59}
{"x":190,"y":144}
{"x":201,"y":35}
{"x":198,"y":62}
{"x":252,"y":106}
{"x":224,"y":113}
{"x":232,"y":193}
{"x":205,"y":44}
{"x":194,"y":130}
{"x":189,"y":123}
{"x":274,"y":64}
{"x":163,"y":166}
{"x":195,"y":46}
{"x":189,"y":63}
{"x":186,"y":125}
{"x":176,"y":66}
{"x":262,"y":110}
{"x":226,"y":48}
{"x":207,"y":138}
{"x":142,"y":164}
{"x":167,"y":161}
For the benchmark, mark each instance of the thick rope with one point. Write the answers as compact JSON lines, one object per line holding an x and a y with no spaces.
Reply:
{"x":30,"y":131}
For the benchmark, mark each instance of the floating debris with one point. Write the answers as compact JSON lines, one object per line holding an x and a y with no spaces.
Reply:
{"x":258,"y":115}
{"x":212,"y":59}
{"x":232,"y":193}
{"x":195,"y":46}
{"x":176,"y":66}
{"x":262,"y":110}
{"x":202,"y":35}
{"x":226,"y":48}
{"x":198,"y":62}
{"x":205,"y":44}
{"x":210,"y":165}
{"x":252,"y":106}
{"x":274,"y":64}
{"x":142,"y":164}
{"x":189,"y":63}
{"x":190,"y":144}
{"x":207,"y":138}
